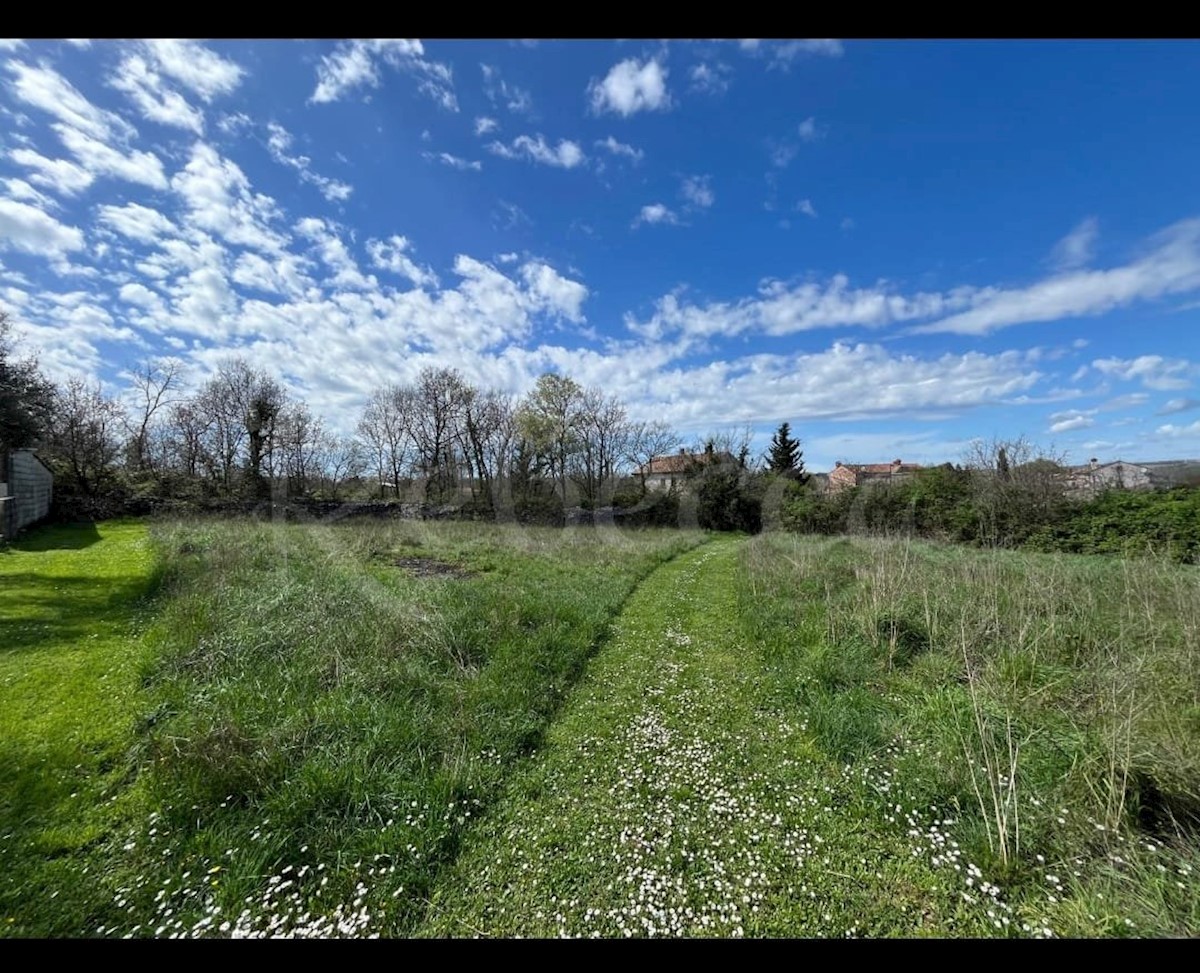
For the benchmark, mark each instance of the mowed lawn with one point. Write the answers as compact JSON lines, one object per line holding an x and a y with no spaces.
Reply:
{"x":71,"y":600}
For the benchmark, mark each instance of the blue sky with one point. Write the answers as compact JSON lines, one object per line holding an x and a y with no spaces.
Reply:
{"x":896,"y":246}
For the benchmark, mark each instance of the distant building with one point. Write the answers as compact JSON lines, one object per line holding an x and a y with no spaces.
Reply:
{"x":1095,"y":478}
{"x":845,"y":476}
{"x":664,"y":472}
{"x":26,"y":487}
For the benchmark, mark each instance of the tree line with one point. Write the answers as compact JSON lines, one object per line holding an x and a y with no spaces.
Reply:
{"x":441,"y":441}
{"x":438,"y":439}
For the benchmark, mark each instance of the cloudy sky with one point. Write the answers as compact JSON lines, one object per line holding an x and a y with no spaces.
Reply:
{"x":896,"y":246}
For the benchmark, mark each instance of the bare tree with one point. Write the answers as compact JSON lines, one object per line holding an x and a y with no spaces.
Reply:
{"x":155,"y":384}
{"x":299,"y":441}
{"x":187,"y":435}
{"x":646,"y":440}
{"x":442,"y":399}
{"x":1016,"y":486}
{"x":244,"y":405}
{"x":489,"y":424}
{"x":344,"y":458}
{"x":85,"y":434}
{"x":602,"y":430}
{"x":386,"y":431}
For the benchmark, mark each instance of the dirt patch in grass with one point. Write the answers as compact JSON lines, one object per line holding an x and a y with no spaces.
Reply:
{"x":430,"y":567}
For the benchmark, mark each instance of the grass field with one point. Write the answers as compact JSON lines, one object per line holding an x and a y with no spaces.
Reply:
{"x":301,"y":736}
{"x":247,"y":729}
{"x":1049,"y":704}
{"x":72,"y":604}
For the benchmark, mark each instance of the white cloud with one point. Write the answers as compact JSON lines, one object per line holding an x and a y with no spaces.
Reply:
{"x":808,"y":130}
{"x":137,"y":222}
{"x":1153,"y":371}
{"x":28,"y":229}
{"x":279,"y":141}
{"x":101,"y":159}
{"x":655,"y":213}
{"x":1071,"y":420}
{"x":763,"y":388}
{"x":1172,"y":266}
{"x":806,"y":207}
{"x":782,"y":155}
{"x":354,"y":64}
{"x":697,"y":190}
{"x":234,"y":123}
{"x":500,"y":92}
{"x":391,"y":254}
{"x":1173,"y":432}
{"x":44,"y":88}
{"x":566,"y":155}
{"x":196,"y":67}
{"x":336,"y":255}
{"x":1076,"y":248}
{"x":552,"y":292}
{"x":156,"y":102}
{"x":783,"y":53}
{"x":620,"y":148}
{"x":20,"y":189}
{"x":1175,"y":406}
{"x":781,"y":309}
{"x":10,"y":43}
{"x":710,"y":78}
{"x":453,"y":161}
{"x":483,"y":125}
{"x":280,"y":275}
{"x":219,"y":199}
{"x":141,"y":296}
{"x":510,"y":215}
{"x":1124,"y":401}
{"x":631,"y":86}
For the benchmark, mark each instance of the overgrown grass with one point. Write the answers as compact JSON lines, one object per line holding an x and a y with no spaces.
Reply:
{"x":1050,"y":703}
{"x":71,"y":602}
{"x":317,"y":725}
{"x":680,"y":795}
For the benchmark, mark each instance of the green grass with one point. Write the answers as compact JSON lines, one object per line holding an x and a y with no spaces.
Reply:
{"x":680,"y":794}
{"x":312,"y":727}
{"x":406,"y":728}
{"x":71,"y":601}
{"x":1049,"y":702}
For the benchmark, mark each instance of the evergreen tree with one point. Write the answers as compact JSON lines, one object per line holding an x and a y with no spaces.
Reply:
{"x":785,"y":456}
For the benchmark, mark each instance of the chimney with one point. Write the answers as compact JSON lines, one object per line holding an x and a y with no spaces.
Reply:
{"x":896,"y":462}
{"x":837,"y":464}
{"x":1093,"y":462}
{"x":682,"y":451}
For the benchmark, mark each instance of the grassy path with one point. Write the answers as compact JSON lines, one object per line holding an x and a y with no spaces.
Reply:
{"x":676,"y":796}
{"x":69,"y":602}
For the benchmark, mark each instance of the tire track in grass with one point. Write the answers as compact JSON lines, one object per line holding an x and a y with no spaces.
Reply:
{"x":672,"y":798}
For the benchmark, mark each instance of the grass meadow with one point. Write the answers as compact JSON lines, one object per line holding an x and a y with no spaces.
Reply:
{"x":296,"y":739}
{"x":1048,"y":704}
{"x":236,"y":728}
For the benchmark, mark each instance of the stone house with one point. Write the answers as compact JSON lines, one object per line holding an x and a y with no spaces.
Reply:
{"x":845,"y":476}
{"x":664,"y":472}
{"x":1095,"y":477}
{"x":26,"y":487}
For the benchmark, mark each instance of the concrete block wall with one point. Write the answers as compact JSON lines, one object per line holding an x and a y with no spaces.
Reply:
{"x":30,"y":487}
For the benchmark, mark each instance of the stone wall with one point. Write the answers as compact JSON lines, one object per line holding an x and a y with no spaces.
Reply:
{"x":29,"y":487}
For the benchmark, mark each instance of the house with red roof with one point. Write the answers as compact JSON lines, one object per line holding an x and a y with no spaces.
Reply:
{"x":845,"y":476}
